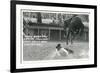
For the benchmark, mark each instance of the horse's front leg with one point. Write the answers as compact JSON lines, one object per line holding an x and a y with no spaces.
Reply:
{"x":66,"y":41}
{"x":72,"y":38}
{"x":67,"y":37}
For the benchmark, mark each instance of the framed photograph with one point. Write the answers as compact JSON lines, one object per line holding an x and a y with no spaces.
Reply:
{"x":52,"y":36}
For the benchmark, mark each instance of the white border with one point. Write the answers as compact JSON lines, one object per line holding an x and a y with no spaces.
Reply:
{"x":51,"y":63}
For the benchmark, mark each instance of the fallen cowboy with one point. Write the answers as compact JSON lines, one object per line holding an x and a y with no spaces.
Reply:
{"x":63,"y":51}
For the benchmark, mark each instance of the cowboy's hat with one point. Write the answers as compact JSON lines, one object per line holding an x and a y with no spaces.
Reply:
{"x":58,"y":46}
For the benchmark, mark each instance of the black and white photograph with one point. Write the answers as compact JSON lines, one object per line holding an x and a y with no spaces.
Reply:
{"x":55,"y":36}
{"x":51,"y":36}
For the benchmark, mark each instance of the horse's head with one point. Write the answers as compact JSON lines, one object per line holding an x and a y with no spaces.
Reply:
{"x":66,"y":26}
{"x":67,"y":23}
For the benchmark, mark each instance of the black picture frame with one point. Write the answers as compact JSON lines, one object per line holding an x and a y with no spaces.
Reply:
{"x":13,"y":35}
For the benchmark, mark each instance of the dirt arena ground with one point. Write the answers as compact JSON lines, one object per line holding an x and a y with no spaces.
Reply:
{"x":42,"y":50}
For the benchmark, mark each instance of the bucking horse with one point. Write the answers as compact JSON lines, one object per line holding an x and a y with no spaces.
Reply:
{"x":73,"y":27}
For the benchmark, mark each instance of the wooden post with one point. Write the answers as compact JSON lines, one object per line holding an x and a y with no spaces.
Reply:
{"x":49,"y":34}
{"x":85,"y":36}
{"x":38,"y":31}
{"x":59,"y":34}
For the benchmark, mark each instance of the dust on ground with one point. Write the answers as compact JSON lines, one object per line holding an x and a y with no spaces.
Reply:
{"x":33,"y":51}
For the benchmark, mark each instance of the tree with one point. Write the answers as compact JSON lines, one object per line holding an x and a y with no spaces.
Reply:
{"x":39,"y":17}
